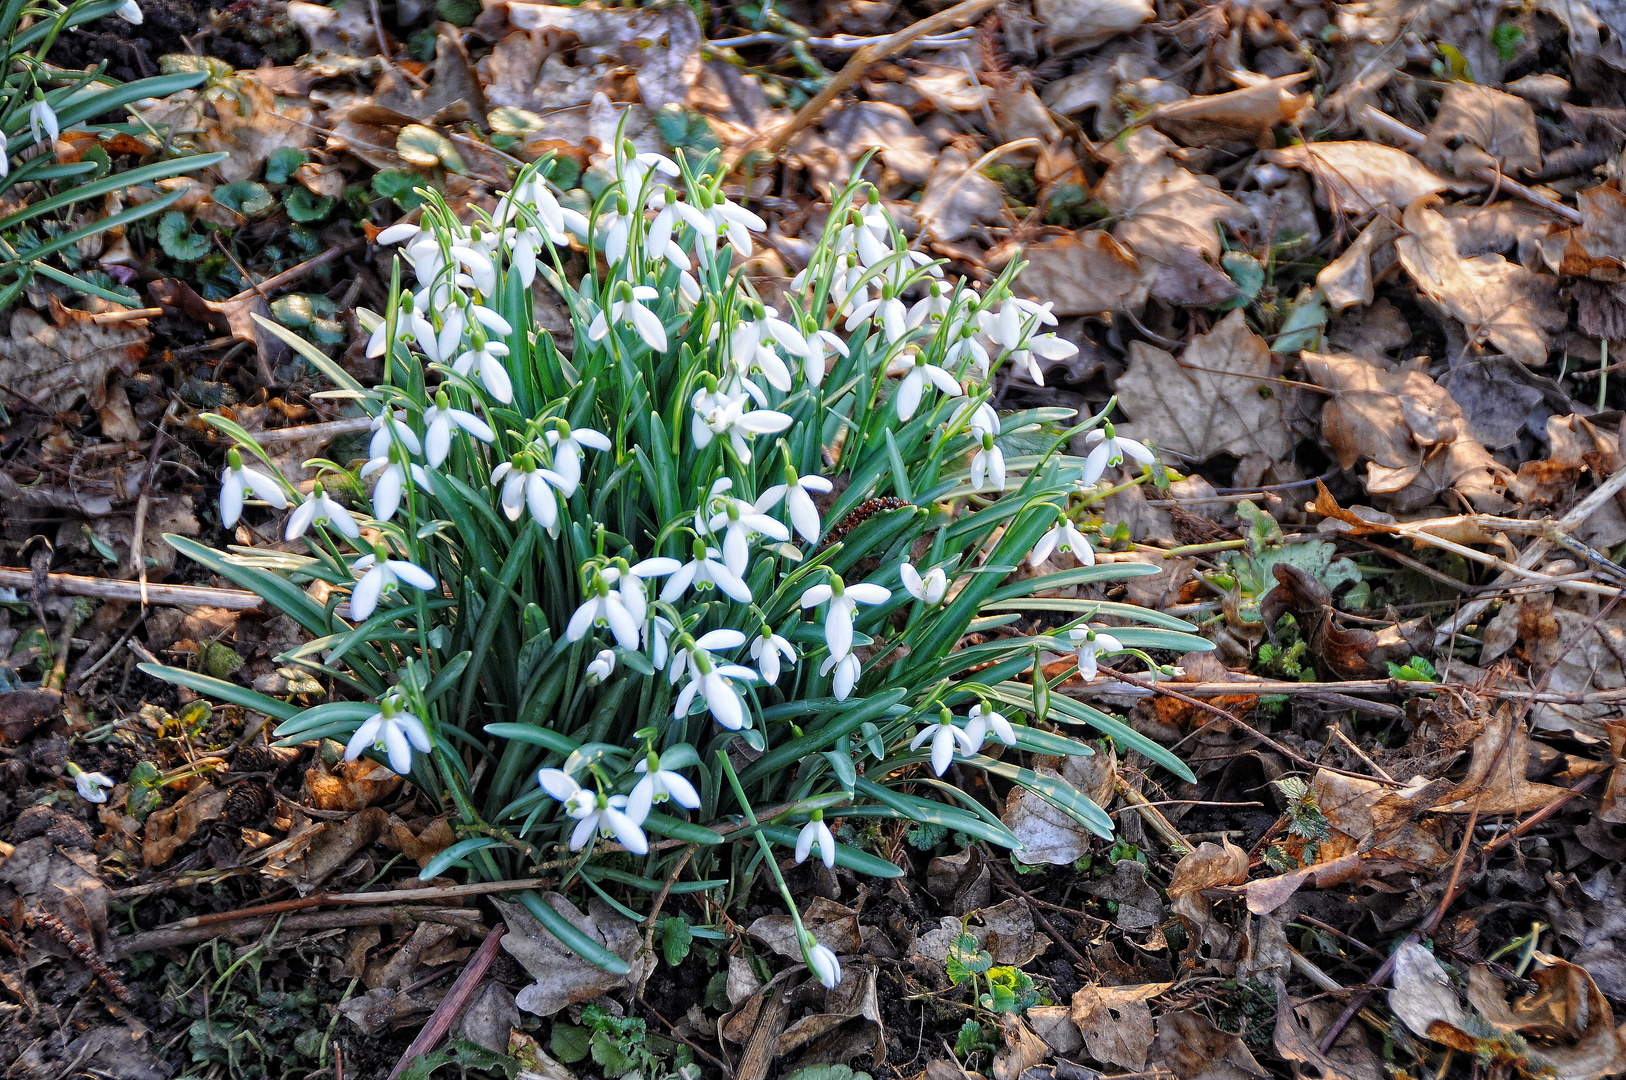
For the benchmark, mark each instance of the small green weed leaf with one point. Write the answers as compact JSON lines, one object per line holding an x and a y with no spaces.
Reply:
{"x":280,"y":166}
{"x":426,"y":147}
{"x":571,"y":1043}
{"x":176,"y":237}
{"x":675,"y":940}
{"x":302,"y":206}
{"x":966,"y":958}
{"x":246,"y":197}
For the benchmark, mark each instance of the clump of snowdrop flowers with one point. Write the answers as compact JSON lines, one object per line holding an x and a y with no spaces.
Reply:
{"x":726,"y":555}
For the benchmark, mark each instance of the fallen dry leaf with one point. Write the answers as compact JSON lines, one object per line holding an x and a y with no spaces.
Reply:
{"x":1048,"y":835}
{"x":831,"y":924}
{"x":562,"y":977}
{"x":1116,"y":1022}
{"x":1210,"y":866}
{"x":1084,"y":273}
{"x":168,"y":830}
{"x":1209,"y":401}
{"x":1495,"y":300}
{"x":1190,"y":1046}
{"x":1567,"y":1013}
{"x":1477,"y":127}
{"x":352,"y":785}
{"x":1496,"y":782}
{"x":1164,"y":208}
{"x":56,"y":363}
{"x":1413,"y":435}
{"x":1251,"y":113}
{"x":957,"y":200}
{"x":1357,"y":178}
{"x":1073,"y":25}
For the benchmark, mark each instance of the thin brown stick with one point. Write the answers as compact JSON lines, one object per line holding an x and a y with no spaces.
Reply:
{"x":1010,"y":886}
{"x":154,"y":940}
{"x":1286,"y":751}
{"x":458,"y":997}
{"x":397,"y":896}
{"x":138,"y":539}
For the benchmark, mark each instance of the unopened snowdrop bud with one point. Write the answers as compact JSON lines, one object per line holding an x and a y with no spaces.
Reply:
{"x":92,"y":785}
{"x":602,"y":666}
{"x":131,"y":13}
{"x":821,"y":962}
{"x":816,"y":834}
{"x":42,"y":118}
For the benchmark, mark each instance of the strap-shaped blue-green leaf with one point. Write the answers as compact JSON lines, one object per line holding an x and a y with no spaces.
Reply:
{"x":455,"y":854}
{"x":574,"y":939}
{"x":1055,"y":791}
{"x":1127,"y":738}
{"x":298,"y":728}
{"x":97,"y":188}
{"x":221,"y":690}
{"x":916,"y":809}
{"x":536,"y":736}
{"x":665,"y":825}
{"x":1152,"y":637}
{"x":824,"y":736}
{"x":1092,"y":609}
{"x":282,"y":594}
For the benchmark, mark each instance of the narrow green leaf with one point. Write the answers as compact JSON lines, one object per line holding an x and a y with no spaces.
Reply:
{"x":574,"y":939}
{"x":221,"y":690}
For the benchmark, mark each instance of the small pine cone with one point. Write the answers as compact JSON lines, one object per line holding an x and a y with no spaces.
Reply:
{"x":254,"y":758}
{"x":247,"y":803}
{"x":62,"y":830}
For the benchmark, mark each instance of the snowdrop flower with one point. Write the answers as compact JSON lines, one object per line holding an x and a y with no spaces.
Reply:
{"x":91,"y":785}
{"x":822,"y":345}
{"x":393,"y":474}
{"x":1065,"y":537}
{"x":766,"y":649}
{"x":718,"y":415}
{"x":821,"y":962}
{"x":487,"y":355}
{"x":804,"y":515}
{"x":606,"y":815}
{"x":439,"y":419}
{"x":965,"y":345}
{"x":674,"y":213}
{"x":567,"y":443}
{"x":601,"y":667}
{"x":988,"y":466}
{"x":383,"y":575}
{"x":917,"y":374}
{"x":984,"y":420}
{"x":658,"y":785}
{"x":887,"y":309}
{"x":846,"y":669}
{"x":1091,"y":643}
{"x":525,"y":486}
{"x":320,"y":509}
{"x":657,"y":634}
{"x":633,"y":170}
{"x":945,"y":737}
{"x":237,"y":480}
{"x":606,"y":606}
{"x":739,"y":521}
{"x":442,"y":345}
{"x":1048,"y":346}
{"x":980,"y":723}
{"x":130,"y":13}
{"x":42,"y":119}
{"x":816,"y":834}
{"x":5,"y":157}
{"x":1110,"y":451}
{"x":843,"y":600}
{"x":705,"y":569}
{"x":709,"y":679}
{"x":479,"y":267}
{"x":628,"y":306}
{"x":734,"y":222}
{"x":929,"y":589}
{"x":1016,"y":321}
{"x":388,"y":428}
{"x":393,"y":730}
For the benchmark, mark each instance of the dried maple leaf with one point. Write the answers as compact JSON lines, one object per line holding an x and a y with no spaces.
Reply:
{"x":53,"y":364}
{"x":1359,"y":177}
{"x":1413,"y":435}
{"x":1496,"y":781}
{"x":1495,"y":129}
{"x":1165,"y":209}
{"x":1495,"y":300}
{"x":1084,"y":273}
{"x":1209,"y":401}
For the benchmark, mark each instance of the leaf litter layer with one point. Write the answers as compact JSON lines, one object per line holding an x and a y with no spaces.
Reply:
{"x":1353,"y":271}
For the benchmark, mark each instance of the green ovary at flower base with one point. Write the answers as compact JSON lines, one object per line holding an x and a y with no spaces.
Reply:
{"x":619,"y":562}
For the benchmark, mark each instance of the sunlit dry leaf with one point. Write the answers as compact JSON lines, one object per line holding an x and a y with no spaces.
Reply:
{"x":956,"y":199}
{"x":1495,"y":129}
{"x":1422,"y":994}
{"x":1603,"y":221}
{"x":1071,"y":25}
{"x":1359,"y":177}
{"x":1495,"y":300}
{"x":1117,"y":1022}
{"x":1190,"y":1046}
{"x":846,"y":134}
{"x":1496,"y":782}
{"x":1411,"y":431}
{"x":252,"y":123}
{"x":1211,"y":865}
{"x":1348,"y":280}
{"x":1252,"y":112}
{"x":1165,"y":209}
{"x":168,"y":830}
{"x":1209,"y":401}
{"x":562,"y":977}
{"x":1084,"y":273}
{"x":1567,"y":1013}
{"x":661,"y":44}
{"x":1020,"y":1049}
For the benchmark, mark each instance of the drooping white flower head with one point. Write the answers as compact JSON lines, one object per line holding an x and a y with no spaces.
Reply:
{"x":1091,"y":643}
{"x":816,"y":834}
{"x":393,"y":730}
{"x":847,"y":669}
{"x":988,"y":466}
{"x":380,"y":576}
{"x":804,"y":514}
{"x":822,"y":962}
{"x":609,"y":816}
{"x":929,"y":589}
{"x":656,"y":786}
{"x":1063,"y":537}
{"x":567,"y":443}
{"x":320,"y":509}
{"x":706,"y":568}
{"x":42,"y":120}
{"x":92,"y":786}
{"x":709,"y":678}
{"x":130,"y":13}
{"x":525,"y":486}
{"x":439,"y":420}
{"x":945,"y":737}
{"x":602,"y":666}
{"x":982,"y":721}
{"x":629,"y":306}
{"x":237,"y":480}
{"x":1110,"y":451}
{"x":767,"y":648}
{"x":843,"y":600}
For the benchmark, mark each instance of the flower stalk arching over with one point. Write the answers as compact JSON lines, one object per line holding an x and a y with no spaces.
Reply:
{"x":777,"y":532}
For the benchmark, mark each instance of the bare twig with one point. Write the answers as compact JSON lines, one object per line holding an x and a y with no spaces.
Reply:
{"x":458,"y":997}
{"x":138,"y":539}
